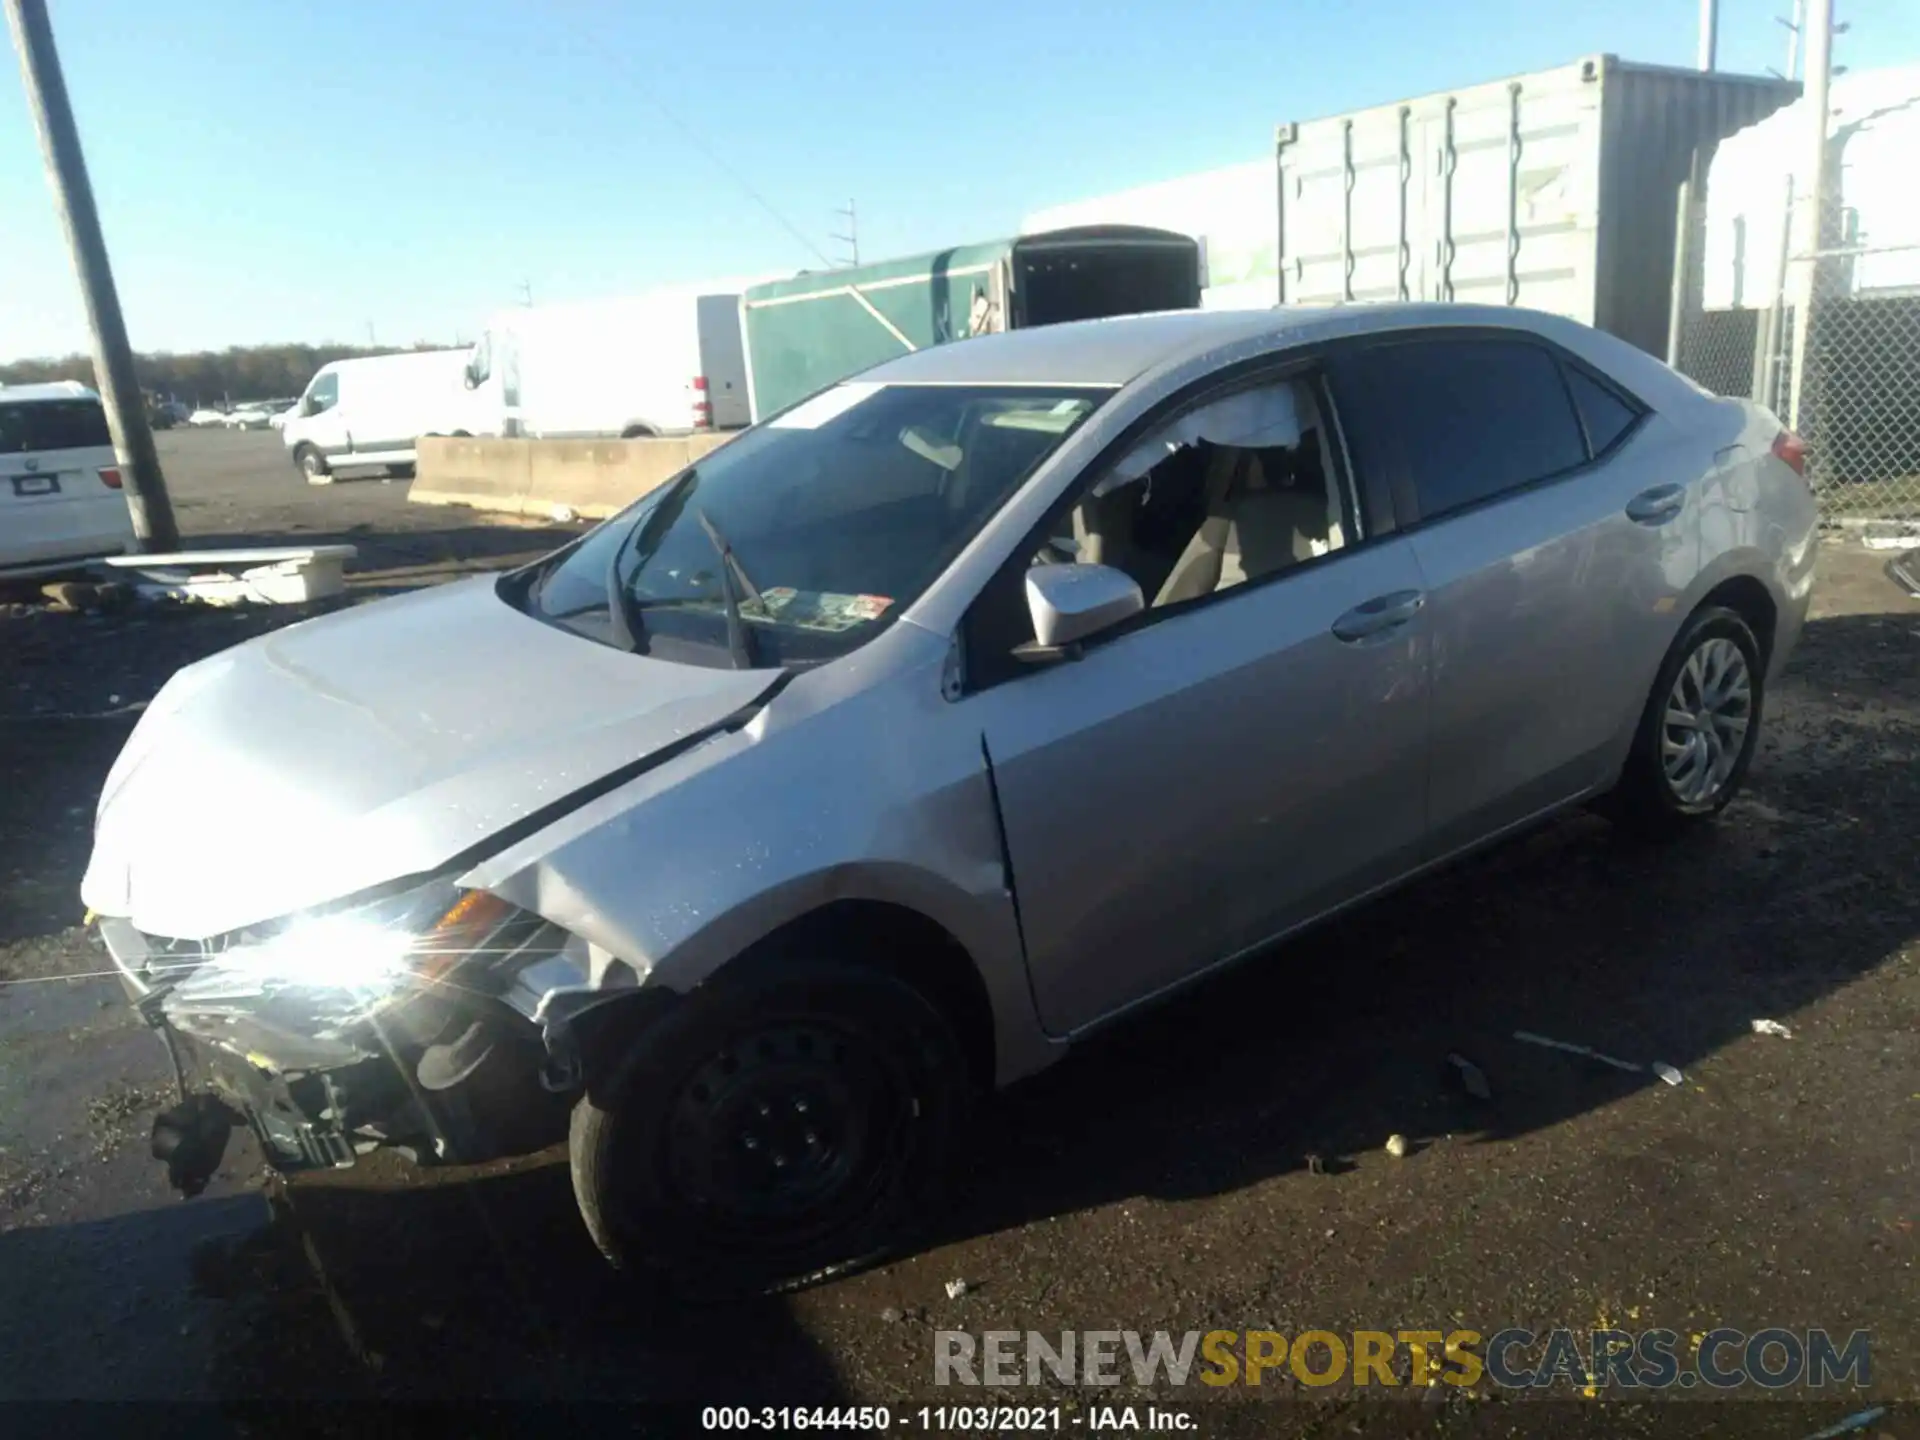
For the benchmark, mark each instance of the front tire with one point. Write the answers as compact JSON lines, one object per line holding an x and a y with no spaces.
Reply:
{"x":768,"y":1132}
{"x":1699,"y":729}
{"x":312,"y":465}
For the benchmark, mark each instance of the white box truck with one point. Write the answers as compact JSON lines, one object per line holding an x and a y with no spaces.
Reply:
{"x":665,"y":362}
{"x":371,"y":411}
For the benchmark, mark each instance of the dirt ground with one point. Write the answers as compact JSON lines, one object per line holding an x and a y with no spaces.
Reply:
{"x":1159,"y":1180}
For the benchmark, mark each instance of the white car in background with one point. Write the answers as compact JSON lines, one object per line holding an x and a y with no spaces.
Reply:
{"x":207,"y":417}
{"x":60,"y":497}
{"x":259,"y":415}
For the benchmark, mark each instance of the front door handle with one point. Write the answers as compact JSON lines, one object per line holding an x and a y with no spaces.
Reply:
{"x":1379,"y":614}
{"x":1658,"y":505}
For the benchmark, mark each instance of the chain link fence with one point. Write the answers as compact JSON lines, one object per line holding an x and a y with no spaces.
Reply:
{"x":1852,"y":390}
{"x":1828,"y":340}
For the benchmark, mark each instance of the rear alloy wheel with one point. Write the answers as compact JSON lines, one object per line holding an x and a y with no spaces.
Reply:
{"x":766,"y":1133}
{"x":312,"y":465}
{"x":1698,"y":732}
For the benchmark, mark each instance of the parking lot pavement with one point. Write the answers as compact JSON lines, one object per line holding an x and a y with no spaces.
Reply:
{"x":237,"y":487}
{"x":1160,"y":1180}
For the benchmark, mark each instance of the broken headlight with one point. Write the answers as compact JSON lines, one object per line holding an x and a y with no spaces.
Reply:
{"x":343,"y":964}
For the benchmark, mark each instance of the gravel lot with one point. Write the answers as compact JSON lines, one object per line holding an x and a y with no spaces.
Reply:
{"x":1158,"y":1181}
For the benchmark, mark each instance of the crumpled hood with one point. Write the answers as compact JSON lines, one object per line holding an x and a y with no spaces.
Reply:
{"x":368,"y":745}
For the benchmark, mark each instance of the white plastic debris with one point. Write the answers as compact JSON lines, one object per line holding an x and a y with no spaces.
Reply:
{"x":564,"y":514}
{"x":278,"y":575}
{"x":1471,"y":1077}
{"x":956,"y":1288}
{"x":1397,"y":1146}
{"x":1668,"y":1073}
{"x":1772,"y":1027}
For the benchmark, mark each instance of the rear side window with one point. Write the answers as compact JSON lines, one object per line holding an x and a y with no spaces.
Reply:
{"x":52,"y":425}
{"x":1606,"y":416}
{"x":1453,"y":422}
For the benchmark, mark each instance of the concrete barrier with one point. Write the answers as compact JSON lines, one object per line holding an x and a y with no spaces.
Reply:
{"x":543,"y":478}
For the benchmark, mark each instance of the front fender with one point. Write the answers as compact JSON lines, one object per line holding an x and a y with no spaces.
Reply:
{"x":833,"y":793}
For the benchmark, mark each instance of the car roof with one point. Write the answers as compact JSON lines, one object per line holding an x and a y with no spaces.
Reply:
{"x":50,"y":390}
{"x":1118,"y":350}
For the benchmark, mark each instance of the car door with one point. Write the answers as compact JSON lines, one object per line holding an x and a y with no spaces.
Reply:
{"x":1554,"y":529}
{"x":1217,"y":771}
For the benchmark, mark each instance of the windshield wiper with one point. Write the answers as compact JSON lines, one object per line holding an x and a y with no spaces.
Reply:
{"x":733,"y":580}
{"x":623,"y":610}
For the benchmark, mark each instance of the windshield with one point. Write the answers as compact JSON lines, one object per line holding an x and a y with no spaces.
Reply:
{"x":809,"y":533}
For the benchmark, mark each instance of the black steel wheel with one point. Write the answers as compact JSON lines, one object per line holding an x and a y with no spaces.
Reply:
{"x":762,"y":1134}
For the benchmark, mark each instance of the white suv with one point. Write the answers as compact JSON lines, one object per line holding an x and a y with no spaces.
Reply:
{"x":60,"y":497}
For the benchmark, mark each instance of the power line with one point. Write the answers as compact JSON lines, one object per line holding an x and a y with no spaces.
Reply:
{"x":737,"y":178}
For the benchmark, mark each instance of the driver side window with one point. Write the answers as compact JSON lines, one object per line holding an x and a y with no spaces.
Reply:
{"x":323,"y":394}
{"x":1237,"y":488}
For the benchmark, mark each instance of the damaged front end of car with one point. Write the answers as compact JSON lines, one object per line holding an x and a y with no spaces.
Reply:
{"x":423,"y":1019}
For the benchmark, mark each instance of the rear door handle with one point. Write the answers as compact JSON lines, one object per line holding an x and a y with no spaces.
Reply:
{"x":1379,"y":614}
{"x":1658,"y":505}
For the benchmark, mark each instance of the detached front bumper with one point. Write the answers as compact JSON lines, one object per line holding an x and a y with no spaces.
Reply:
{"x":445,"y":1076}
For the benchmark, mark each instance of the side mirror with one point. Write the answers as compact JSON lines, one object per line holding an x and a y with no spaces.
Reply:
{"x":471,"y":380}
{"x":1071,"y":603}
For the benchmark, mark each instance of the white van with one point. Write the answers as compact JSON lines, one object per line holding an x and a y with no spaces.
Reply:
{"x":60,"y":486}
{"x":371,"y":411}
{"x":661,"y":363}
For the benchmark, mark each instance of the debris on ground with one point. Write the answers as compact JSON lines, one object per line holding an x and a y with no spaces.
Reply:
{"x":1859,"y":1420}
{"x":1397,"y":1146}
{"x":1668,"y":1073}
{"x":956,"y":1288}
{"x":1904,"y":571}
{"x":1529,"y":1038}
{"x":891,"y":1315}
{"x":1472,"y":1078}
{"x":1772,"y":1027}
{"x":81,"y":597}
{"x":1316,"y":1165}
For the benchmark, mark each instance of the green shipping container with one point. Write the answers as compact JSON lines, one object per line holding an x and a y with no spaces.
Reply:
{"x":815,"y":329}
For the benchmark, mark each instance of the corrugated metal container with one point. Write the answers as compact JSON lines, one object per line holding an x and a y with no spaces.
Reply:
{"x":1558,"y":191}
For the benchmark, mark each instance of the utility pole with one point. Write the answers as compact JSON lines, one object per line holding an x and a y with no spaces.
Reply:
{"x":1808,"y":228}
{"x":852,"y":238}
{"x":1709,"y":33}
{"x":154,"y":529}
{"x":526,"y":293}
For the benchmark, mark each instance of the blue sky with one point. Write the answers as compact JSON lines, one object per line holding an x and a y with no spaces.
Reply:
{"x":296,"y":172}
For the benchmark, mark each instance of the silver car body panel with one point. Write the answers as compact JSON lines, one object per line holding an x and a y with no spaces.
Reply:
{"x":1090,"y":833}
{"x":382,"y":742}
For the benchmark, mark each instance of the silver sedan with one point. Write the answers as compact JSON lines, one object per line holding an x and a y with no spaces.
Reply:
{"x":958,"y":710}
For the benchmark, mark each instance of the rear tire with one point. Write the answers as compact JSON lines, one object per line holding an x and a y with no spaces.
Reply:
{"x":312,"y":465}
{"x":1698,"y":731}
{"x":767,"y":1132}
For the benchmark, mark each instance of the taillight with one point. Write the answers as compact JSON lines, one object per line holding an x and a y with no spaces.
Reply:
{"x":1791,"y":448}
{"x":702,"y":405}
{"x":110,"y":477}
